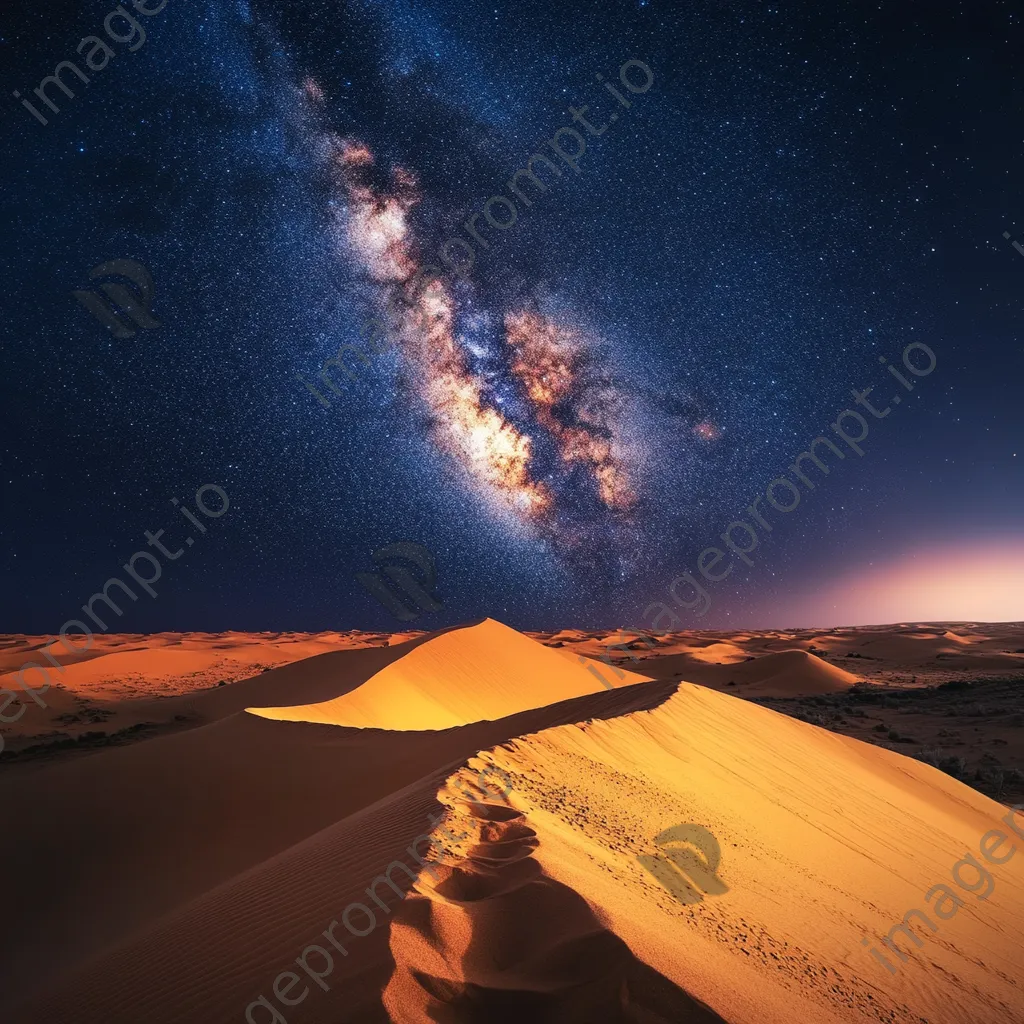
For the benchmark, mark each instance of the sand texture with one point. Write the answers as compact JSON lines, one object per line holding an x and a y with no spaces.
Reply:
{"x":667,"y":849}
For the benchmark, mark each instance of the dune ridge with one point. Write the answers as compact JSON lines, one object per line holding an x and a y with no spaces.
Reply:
{"x":476,"y":673}
{"x":287,"y":820}
{"x":825,"y":841}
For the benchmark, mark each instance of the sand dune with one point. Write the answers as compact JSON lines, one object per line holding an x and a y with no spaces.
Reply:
{"x":490,"y":936}
{"x":825,"y":841}
{"x":172,"y":881}
{"x":717,"y":653}
{"x":917,"y":649}
{"x":94,"y":691}
{"x":787,"y":673}
{"x":567,"y":636}
{"x":922,"y":653}
{"x":910,"y":647}
{"x":477,"y":673}
{"x":286,"y":824}
{"x":117,"y":665}
{"x":164,"y":680}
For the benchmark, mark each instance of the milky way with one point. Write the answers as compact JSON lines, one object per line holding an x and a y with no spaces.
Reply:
{"x":488,"y":445}
{"x":566,"y":406}
{"x":563,"y":393}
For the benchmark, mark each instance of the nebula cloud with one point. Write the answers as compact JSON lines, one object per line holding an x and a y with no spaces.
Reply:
{"x":553,"y":363}
{"x":491,"y":449}
{"x":515,"y":396}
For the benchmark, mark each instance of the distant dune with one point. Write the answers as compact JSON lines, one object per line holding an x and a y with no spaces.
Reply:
{"x":478,"y":673}
{"x":176,"y":879}
{"x":788,"y":673}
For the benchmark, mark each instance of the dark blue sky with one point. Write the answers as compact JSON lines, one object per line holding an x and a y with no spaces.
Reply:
{"x":801,"y":191}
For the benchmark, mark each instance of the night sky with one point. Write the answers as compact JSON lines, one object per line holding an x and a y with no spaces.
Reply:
{"x":799,"y":192}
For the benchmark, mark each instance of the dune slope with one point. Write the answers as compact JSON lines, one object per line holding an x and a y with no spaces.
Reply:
{"x":473,"y":674}
{"x":825,"y":841}
{"x":174,"y":881}
{"x":786,"y":673}
{"x":179,"y":872}
{"x":489,"y":936}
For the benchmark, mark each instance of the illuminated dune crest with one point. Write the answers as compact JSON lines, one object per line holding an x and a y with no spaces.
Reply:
{"x":821,"y":846}
{"x":472,"y":674}
{"x":786,"y":673}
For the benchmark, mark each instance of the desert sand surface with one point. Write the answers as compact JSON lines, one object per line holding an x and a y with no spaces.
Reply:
{"x":129,"y":681}
{"x":183,"y":871}
{"x":160,"y":682}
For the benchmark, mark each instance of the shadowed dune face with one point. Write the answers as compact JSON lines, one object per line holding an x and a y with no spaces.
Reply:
{"x":249,"y":794}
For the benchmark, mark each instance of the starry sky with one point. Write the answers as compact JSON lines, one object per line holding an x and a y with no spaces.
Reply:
{"x":769,"y":202}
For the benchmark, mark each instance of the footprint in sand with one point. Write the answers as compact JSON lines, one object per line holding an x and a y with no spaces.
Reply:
{"x":487,"y":937}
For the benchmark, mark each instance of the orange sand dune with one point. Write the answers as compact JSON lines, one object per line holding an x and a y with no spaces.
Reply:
{"x":401,"y":638}
{"x":183,"y":874}
{"x":172,"y":881}
{"x":491,"y":936}
{"x":570,"y":636}
{"x":178,"y":678}
{"x":824,"y":841}
{"x":622,"y":638}
{"x":118,"y":665}
{"x":915,"y":648}
{"x":113,"y":685}
{"x":788,"y":673}
{"x":175,"y":668}
{"x":477,"y":673}
{"x":718,"y":654}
